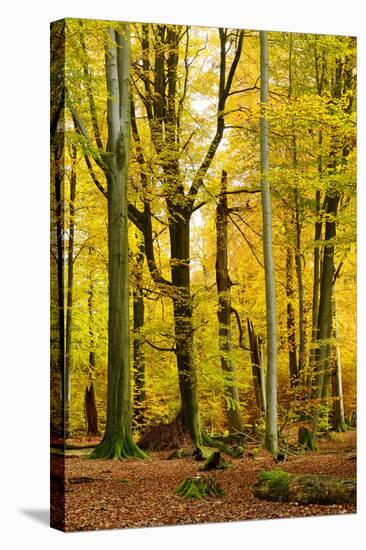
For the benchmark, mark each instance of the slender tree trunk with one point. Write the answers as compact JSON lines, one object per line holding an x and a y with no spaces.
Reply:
{"x":70,"y":282}
{"x":224,"y":283}
{"x":291,"y":328}
{"x":271,"y":412}
{"x":338,"y":420}
{"x":58,"y":149}
{"x":117,"y":441}
{"x":299,"y":274}
{"x":324,"y":320}
{"x":89,"y":401}
{"x":316,"y":282}
{"x":297,"y":200}
{"x":138,"y":351}
{"x":57,"y":272}
{"x":259,"y":381}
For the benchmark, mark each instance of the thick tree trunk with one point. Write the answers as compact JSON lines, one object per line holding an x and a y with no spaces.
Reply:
{"x":224,"y":283}
{"x":279,"y":486}
{"x":183,"y":322}
{"x":117,"y":441}
{"x":291,"y":328}
{"x":271,"y":398}
{"x":259,"y":381}
{"x":138,"y":352}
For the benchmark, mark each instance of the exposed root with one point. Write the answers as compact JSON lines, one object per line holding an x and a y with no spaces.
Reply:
{"x":117,"y":447}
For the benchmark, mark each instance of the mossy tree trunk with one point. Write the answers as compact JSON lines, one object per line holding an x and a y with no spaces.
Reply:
{"x":279,"y":486}
{"x":117,"y":441}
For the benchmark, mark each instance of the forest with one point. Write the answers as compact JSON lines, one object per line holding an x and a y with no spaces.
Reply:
{"x":203,"y":274}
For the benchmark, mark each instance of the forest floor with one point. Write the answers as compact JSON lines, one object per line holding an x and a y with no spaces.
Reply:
{"x":106,"y":494}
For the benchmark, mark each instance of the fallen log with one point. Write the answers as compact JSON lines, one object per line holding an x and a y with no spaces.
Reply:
{"x":281,"y":486}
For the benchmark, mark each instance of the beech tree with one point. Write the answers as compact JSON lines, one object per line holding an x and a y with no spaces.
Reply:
{"x":271,"y":397}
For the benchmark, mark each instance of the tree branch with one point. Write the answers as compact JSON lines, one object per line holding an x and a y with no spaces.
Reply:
{"x":240,"y":328}
{"x":172,"y":350}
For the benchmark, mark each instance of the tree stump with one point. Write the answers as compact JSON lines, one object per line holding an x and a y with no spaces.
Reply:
{"x":281,"y":486}
{"x":215,"y":462}
{"x":199,"y":487}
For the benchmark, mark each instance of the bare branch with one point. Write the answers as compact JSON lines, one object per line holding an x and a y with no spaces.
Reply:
{"x":172,"y":350}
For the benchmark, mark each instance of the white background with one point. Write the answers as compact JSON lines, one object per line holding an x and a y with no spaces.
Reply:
{"x":24,"y":191}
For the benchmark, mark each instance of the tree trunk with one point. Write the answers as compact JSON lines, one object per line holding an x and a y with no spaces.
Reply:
{"x":91,"y":411}
{"x":338,"y":420}
{"x":256,"y":355}
{"x":138,"y":352}
{"x":183,"y":323}
{"x":316,"y":282}
{"x":224,"y":283}
{"x":291,"y":328}
{"x":324,"y":316}
{"x":90,"y":405}
{"x":271,"y":397}
{"x":70,"y":282}
{"x":57,"y":271}
{"x":279,"y":486}
{"x":300,"y":283}
{"x":58,"y":151}
{"x":117,"y":441}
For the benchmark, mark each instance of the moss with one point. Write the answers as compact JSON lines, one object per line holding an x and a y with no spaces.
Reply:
{"x":117,"y":447}
{"x":307,"y":440}
{"x":277,"y":481}
{"x":199,"y":487}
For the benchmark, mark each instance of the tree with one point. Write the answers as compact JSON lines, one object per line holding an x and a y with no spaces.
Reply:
{"x":163,"y":109}
{"x":271,"y":411}
{"x":117,"y":441}
{"x":224,"y":284}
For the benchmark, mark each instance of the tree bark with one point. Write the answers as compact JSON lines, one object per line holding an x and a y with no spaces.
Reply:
{"x":255,"y":342}
{"x":279,"y":486}
{"x":291,"y":328}
{"x":224,"y":283}
{"x":117,"y":441}
{"x":89,"y":400}
{"x":57,"y":152}
{"x":69,"y":292}
{"x":138,"y":351}
{"x":161,"y":107}
{"x":271,"y":411}
{"x":324,"y":320}
{"x":338,"y":419}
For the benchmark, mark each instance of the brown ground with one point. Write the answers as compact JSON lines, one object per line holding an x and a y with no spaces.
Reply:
{"x":141,"y":493}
